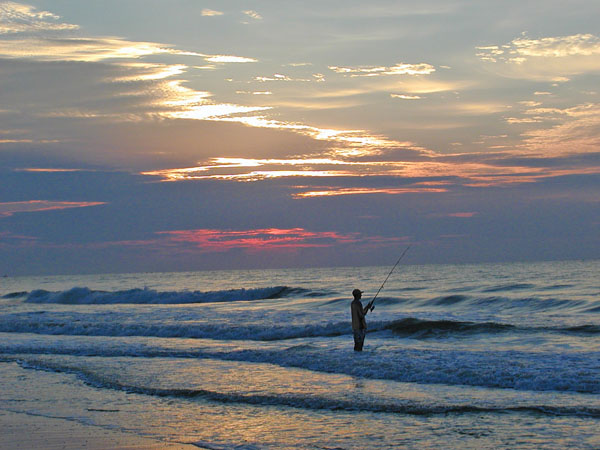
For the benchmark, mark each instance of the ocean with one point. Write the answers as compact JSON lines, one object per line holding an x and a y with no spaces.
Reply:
{"x":486,"y":356}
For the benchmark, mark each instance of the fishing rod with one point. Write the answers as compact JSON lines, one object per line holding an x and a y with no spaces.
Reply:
{"x":386,"y":278}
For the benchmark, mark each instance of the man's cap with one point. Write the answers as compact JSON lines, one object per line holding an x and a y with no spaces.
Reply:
{"x":355,"y":292}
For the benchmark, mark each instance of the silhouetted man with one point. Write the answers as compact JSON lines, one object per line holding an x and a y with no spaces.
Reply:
{"x":359,"y":324}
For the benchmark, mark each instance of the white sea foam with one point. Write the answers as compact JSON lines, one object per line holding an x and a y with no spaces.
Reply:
{"x":86,"y":296}
{"x":519,"y":370}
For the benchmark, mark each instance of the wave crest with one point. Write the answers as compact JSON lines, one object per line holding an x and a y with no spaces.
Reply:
{"x":422,"y":328}
{"x":86,"y":296}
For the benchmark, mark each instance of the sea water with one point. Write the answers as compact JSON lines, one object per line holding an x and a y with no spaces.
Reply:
{"x":487,"y":356}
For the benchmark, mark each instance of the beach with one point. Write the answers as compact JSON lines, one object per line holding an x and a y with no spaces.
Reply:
{"x":22,"y":431}
{"x":457,"y":356}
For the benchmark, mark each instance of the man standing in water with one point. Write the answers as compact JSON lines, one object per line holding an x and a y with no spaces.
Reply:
{"x":359,"y":324}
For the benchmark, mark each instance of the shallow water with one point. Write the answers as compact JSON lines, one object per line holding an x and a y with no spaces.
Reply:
{"x":458,"y":356}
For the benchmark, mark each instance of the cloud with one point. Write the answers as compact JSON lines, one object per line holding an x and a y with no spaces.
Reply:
{"x":10,"y":208}
{"x":96,"y":49}
{"x":253,"y":14}
{"x":259,"y":239}
{"x":147,"y":72}
{"x":211,"y":13}
{"x":373,"y":71}
{"x":7,"y":235}
{"x":578,"y":130}
{"x":253,"y":240}
{"x":334,"y":192}
{"x":19,"y":18}
{"x":255,"y":92}
{"x":50,"y":170}
{"x":275,"y":77}
{"x":405,"y":97}
{"x":82,"y":49}
{"x":229,"y":59}
{"x":425,"y":174}
{"x":462,"y":214}
{"x":578,"y":44}
{"x":546,"y":59}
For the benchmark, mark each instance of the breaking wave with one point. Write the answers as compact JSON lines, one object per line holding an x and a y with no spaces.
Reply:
{"x":86,"y":296}
{"x":418,"y":327}
{"x":494,"y":371}
{"x":106,"y":324}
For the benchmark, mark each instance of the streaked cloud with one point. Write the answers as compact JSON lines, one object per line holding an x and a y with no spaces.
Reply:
{"x":10,"y":208}
{"x":259,"y":239}
{"x":431,"y":174}
{"x":211,"y":13}
{"x":275,"y":77}
{"x":549,"y":58}
{"x":462,"y":214}
{"x":578,"y":44}
{"x":577,"y":130}
{"x":255,"y":92}
{"x":147,"y":72}
{"x":253,"y":14}
{"x":206,"y":240}
{"x":373,"y":71}
{"x":406,"y":97}
{"x":20,"y":18}
{"x":228,"y":59}
{"x":333,"y":192}
{"x":50,"y":170}
{"x":98,"y":49}
{"x":8,"y":236}
{"x":79,"y":49}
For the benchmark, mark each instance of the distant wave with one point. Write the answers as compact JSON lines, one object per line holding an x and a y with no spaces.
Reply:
{"x":86,"y":296}
{"x":411,"y":327}
{"x":584,"y":329}
{"x":85,"y":325}
{"x":101,"y":324}
{"x":505,"y":303}
{"x":15,"y":294}
{"x":509,"y":287}
{"x":449,"y":300}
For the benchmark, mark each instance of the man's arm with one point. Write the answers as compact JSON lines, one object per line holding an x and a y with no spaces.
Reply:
{"x":367,"y":308}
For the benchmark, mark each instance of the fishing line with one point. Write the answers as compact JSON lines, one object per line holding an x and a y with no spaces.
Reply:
{"x":372,"y":302}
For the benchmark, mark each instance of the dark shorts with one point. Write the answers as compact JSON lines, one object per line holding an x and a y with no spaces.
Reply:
{"x":359,"y":339}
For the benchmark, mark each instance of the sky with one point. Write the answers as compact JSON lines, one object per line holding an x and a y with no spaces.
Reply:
{"x":146,"y":135}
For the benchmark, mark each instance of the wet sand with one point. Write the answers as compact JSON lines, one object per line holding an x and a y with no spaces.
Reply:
{"x":26,"y":432}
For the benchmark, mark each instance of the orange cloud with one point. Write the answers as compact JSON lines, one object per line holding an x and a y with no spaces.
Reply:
{"x":330,"y":192}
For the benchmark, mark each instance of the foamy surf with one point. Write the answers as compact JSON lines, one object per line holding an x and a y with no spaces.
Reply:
{"x":86,"y":296}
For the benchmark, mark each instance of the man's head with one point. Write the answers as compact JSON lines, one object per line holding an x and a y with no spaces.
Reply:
{"x":357,"y":293}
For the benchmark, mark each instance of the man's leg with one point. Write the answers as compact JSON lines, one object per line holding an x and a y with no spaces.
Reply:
{"x":359,"y":339}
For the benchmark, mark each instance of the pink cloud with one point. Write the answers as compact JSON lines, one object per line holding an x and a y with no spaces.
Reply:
{"x":258,"y":239}
{"x":462,"y":214}
{"x":218,"y":241}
